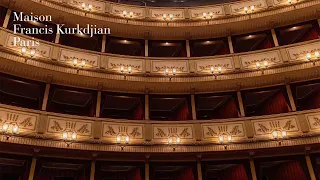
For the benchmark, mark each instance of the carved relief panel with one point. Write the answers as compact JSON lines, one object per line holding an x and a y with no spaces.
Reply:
{"x":299,"y":52}
{"x":68,"y":56}
{"x":197,"y":13}
{"x":57,"y":125}
{"x":159,"y":66}
{"x":162,"y":132}
{"x":134,"y":131}
{"x":95,"y":6}
{"x":204,"y":65}
{"x":135,"y":12}
{"x":27,"y":122}
{"x":249,"y":61}
{"x":239,"y":7}
{"x":213,"y":130}
{"x":267,"y":126}
{"x":314,"y":121}
{"x":158,"y":13}
{"x":115,"y":64}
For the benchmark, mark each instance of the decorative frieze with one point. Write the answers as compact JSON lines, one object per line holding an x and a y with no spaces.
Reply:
{"x":57,"y":125}
{"x":26,"y":121}
{"x":115,"y":63}
{"x":249,"y":61}
{"x":68,"y":56}
{"x":134,"y":131}
{"x":184,"y":131}
{"x":159,"y":66}
{"x":42,"y":50}
{"x":267,"y":126}
{"x":297,"y":53}
{"x":158,"y":13}
{"x":214,"y":11}
{"x":243,"y":7}
{"x":212,"y":130}
{"x":89,"y":5}
{"x":204,"y":65}
{"x":134,"y":12}
{"x":314,"y":121}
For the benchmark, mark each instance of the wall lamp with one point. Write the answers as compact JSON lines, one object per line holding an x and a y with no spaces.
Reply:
{"x":313,"y":58}
{"x":125,"y":70}
{"x":78,"y":65}
{"x":205,"y":15}
{"x":215,"y":71}
{"x":174,"y":141}
{"x":246,"y":9}
{"x":83,"y":6}
{"x":69,"y":137}
{"x":225,"y":140}
{"x":164,"y":16}
{"x":25,"y":53}
{"x":262,"y":66}
{"x":9,"y":129}
{"x":279,"y":135}
{"x":122,"y":140}
{"x":170,"y":72}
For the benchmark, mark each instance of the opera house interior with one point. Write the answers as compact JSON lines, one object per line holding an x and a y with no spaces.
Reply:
{"x":175,"y":90}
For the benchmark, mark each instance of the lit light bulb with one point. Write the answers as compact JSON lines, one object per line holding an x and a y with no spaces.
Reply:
{"x":258,"y":64}
{"x":23,"y":50}
{"x":171,"y":16}
{"x":75,"y":62}
{"x":170,"y":140}
{"x":220,"y":138}
{"x":74,"y":136}
{"x":164,"y":16}
{"x":131,"y":13}
{"x":174,"y":71}
{"x":83,"y":5}
{"x":90,"y":7}
{"x":245,"y":9}
{"x":204,"y":15}
{"x":15,"y":129}
{"x":265,"y":63}
{"x":212,"y":69}
{"x":211,"y":14}
{"x":284,"y":134}
{"x":308,"y":56}
{"x":317,"y":54}
{"x":229,"y":138}
{"x":118,"y":139}
{"x":127,"y":139}
{"x":64,"y":135}
{"x":219,"y":69}
{"x":32,"y":52}
{"x":5,"y":126}
{"x":252,"y":8}
{"x":166,"y":71}
{"x":124,"y":13}
{"x":275,"y":134}
{"x":122,"y":69}
{"x":129,"y":69}
{"x":178,"y":140}
{"x":289,"y":1}
{"x":83,"y":63}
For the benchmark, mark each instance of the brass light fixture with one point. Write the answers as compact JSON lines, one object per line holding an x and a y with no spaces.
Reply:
{"x":225,"y":139}
{"x":9,"y":129}
{"x":170,"y":72}
{"x":26,"y":54}
{"x":69,"y":137}
{"x":122,"y":140}
{"x":215,"y":71}
{"x":79,"y":65}
{"x":313,"y":58}
{"x":125,"y":70}
{"x":262,"y":66}
{"x":174,"y":141}
{"x":279,"y":135}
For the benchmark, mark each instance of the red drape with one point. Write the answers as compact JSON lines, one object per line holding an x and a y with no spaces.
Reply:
{"x":310,"y":35}
{"x":181,"y":114}
{"x":287,"y":171}
{"x":229,"y":110}
{"x":134,"y":174}
{"x":234,"y":173}
{"x":139,"y":113}
{"x":185,"y":174}
{"x":275,"y":105}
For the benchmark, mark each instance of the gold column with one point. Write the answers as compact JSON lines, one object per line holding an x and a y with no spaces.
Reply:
{"x":92,"y":170}
{"x":32,"y":168}
{"x":253,"y":170}
{"x":57,"y":38}
{"x":289,"y":92}
{"x":310,"y":168}
{"x":199,"y":170}
{"x":146,"y":48}
{"x":188,"y":48}
{"x":98,"y":104}
{"x":230,"y":44}
{"x":193,"y":107}
{"x":146,"y":170}
{"x":239,"y":97}
{"x":45,"y":98}
{"x":104,"y":41}
{"x":274,"y":37}
{"x":146,"y":105}
{"x":6,"y":19}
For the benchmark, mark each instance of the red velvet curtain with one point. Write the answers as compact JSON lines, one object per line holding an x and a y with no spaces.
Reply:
{"x":181,"y":114}
{"x":229,"y":110}
{"x":312,"y":34}
{"x":287,"y":171}
{"x":134,"y":174}
{"x":234,"y":173}
{"x":185,"y":174}
{"x":139,"y":113}
{"x":275,"y":105}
